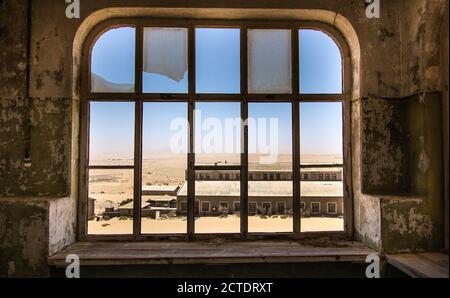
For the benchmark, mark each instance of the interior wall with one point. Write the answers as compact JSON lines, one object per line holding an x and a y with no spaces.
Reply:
{"x":380,"y":91}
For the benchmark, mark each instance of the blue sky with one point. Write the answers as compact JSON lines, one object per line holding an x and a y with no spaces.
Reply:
{"x":112,"y":125}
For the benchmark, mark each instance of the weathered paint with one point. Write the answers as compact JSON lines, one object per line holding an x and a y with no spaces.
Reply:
{"x":384,"y":147}
{"x":406,"y":226}
{"x":396,"y":133}
{"x":31,"y":229}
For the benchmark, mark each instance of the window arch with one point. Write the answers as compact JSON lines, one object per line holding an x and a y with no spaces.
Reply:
{"x":273,"y":62}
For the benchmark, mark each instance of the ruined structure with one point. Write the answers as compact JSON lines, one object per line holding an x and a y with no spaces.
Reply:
{"x":399,"y":116}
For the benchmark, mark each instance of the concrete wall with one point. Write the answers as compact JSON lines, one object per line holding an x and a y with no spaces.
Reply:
{"x":31,"y":229}
{"x":401,"y":174}
{"x":397,"y":63}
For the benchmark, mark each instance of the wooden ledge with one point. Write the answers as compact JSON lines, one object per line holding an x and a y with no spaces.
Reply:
{"x":148,"y":253}
{"x":421,"y":265}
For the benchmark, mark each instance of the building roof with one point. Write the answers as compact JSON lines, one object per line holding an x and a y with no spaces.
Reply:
{"x":164,"y":198}
{"x":266,"y":188}
{"x":160,"y":188}
{"x":324,"y":170}
{"x":130,"y":205}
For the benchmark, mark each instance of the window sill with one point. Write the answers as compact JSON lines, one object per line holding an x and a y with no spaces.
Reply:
{"x":199,"y":252}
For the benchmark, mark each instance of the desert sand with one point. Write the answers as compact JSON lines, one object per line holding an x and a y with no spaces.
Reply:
{"x":110,"y":187}
{"x":229,"y":224}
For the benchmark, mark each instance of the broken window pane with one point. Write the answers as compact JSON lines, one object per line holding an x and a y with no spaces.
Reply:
{"x":165,"y":61}
{"x":217,"y":60}
{"x":113,"y":61}
{"x":320,"y":63}
{"x":269,"y":61}
{"x":111,"y":133}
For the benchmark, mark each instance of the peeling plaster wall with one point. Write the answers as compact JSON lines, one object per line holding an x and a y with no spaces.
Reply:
{"x":401,"y":156}
{"x":385,"y":147}
{"x":421,"y":24}
{"x":407,"y":226}
{"x":13,"y":45}
{"x":31,"y":229}
{"x":402,"y":141}
{"x":23,"y":238}
{"x":50,"y":147}
{"x":393,"y":152}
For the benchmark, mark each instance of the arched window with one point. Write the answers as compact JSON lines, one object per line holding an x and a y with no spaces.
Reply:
{"x":164,"y":100}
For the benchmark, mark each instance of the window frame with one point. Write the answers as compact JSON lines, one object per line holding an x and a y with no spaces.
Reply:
{"x":256,"y":207}
{"x":335,"y":208}
{"x":138,"y":97}
{"x":234,"y":206}
{"x":267,"y":203}
{"x":209,"y":207}
{"x":320,"y":208}
{"x":224,"y":202}
{"x":277,"y":209}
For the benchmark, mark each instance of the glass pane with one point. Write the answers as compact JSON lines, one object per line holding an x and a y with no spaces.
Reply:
{"x":217,"y":60}
{"x":215,"y":203}
{"x":111,"y":133}
{"x":110,"y":203}
{"x":270,"y":167}
{"x":321,"y":187}
{"x":269,"y":61}
{"x":165,"y":60}
{"x":165,"y":131}
{"x":320,"y":63}
{"x":113,"y":61}
{"x":217,"y":133}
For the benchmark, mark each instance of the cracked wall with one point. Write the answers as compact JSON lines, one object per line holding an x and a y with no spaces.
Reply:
{"x":396,"y":147}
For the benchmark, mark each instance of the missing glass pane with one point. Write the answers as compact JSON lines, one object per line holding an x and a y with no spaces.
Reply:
{"x":111,"y":133}
{"x":110,"y":202}
{"x":270,"y":168}
{"x":217,"y":133}
{"x":217,"y":60}
{"x":113,"y":61}
{"x":320,"y":63}
{"x":321,"y":172}
{"x":165,"y":131}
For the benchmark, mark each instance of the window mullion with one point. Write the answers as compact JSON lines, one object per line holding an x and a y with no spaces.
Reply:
{"x":137,"y":198}
{"x":191,"y":120}
{"x":137,"y":169}
{"x":244,"y":134}
{"x":296,"y":187}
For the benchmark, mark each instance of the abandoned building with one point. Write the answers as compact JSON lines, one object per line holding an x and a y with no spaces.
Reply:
{"x":91,"y":97}
{"x":265,"y":197}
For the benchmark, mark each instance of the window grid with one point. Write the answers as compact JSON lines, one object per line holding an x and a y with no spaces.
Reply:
{"x":192,"y":97}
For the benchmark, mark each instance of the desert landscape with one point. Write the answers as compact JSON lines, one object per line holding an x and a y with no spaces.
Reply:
{"x":113,"y":187}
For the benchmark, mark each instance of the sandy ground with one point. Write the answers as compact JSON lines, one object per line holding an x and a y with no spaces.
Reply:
{"x":229,"y":224}
{"x":110,"y":187}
